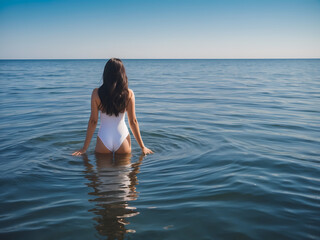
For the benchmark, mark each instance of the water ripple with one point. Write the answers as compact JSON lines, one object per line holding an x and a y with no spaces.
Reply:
{"x":235,"y":141}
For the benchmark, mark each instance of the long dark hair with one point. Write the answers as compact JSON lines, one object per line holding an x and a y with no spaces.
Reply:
{"x":114,"y":91}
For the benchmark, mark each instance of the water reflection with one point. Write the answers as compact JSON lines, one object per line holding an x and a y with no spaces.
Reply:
{"x":114,"y":184}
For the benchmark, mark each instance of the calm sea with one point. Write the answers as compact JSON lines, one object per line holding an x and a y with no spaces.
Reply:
{"x":237,"y":152}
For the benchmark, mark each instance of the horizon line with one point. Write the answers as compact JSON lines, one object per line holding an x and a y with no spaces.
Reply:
{"x":284,"y":58}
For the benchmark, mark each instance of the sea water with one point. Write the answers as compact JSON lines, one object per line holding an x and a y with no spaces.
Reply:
{"x":236,"y":147}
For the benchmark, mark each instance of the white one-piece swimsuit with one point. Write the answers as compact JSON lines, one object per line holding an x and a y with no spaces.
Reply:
{"x":113,"y":130}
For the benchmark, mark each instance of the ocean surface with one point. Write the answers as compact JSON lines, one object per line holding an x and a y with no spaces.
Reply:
{"x":236,"y":142}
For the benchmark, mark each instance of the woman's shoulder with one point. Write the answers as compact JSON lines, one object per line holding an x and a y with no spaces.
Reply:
{"x":95,"y":93}
{"x":131,"y":93}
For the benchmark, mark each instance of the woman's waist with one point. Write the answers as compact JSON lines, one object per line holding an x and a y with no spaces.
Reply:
{"x":112,"y":126}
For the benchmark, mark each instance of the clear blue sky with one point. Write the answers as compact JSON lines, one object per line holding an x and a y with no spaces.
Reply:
{"x":159,"y":29}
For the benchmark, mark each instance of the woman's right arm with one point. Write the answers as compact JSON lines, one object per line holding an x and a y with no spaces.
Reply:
{"x":133,"y":122}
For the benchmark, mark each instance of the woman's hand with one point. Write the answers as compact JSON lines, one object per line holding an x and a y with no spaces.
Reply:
{"x":146,"y":151}
{"x":79,"y":152}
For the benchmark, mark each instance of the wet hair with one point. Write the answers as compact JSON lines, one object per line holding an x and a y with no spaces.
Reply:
{"x":114,"y":92}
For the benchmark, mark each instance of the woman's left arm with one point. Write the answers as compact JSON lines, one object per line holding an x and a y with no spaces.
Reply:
{"x":92,"y":124}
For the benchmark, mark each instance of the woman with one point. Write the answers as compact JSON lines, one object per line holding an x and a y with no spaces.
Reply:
{"x":113,"y":99}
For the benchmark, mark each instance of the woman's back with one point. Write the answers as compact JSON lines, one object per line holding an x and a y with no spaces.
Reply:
{"x":113,"y":130}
